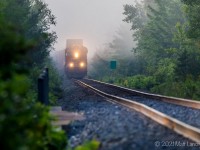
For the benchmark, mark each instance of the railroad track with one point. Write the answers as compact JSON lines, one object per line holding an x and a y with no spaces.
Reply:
{"x":141,"y":102}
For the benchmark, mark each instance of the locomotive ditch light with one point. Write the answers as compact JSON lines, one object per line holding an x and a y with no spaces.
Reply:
{"x":76,"y":55}
{"x":82,"y":64}
{"x":71,"y":65}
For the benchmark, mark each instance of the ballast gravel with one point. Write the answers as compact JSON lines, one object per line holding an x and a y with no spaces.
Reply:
{"x":114,"y":126}
{"x":185,"y":114}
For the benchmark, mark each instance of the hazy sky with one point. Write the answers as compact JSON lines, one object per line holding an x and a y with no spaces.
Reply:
{"x":94,"y":21}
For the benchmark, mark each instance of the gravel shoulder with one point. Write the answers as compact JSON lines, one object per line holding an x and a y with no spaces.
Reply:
{"x":116,"y":127}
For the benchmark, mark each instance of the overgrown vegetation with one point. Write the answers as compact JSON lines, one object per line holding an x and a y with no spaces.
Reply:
{"x":25,"y":44}
{"x":166,"y":56}
{"x":24,"y":123}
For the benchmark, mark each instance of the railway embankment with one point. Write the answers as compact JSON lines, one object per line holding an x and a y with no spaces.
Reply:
{"x":115,"y":126}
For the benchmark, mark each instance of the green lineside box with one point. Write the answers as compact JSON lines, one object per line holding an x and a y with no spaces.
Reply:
{"x":113,"y":64}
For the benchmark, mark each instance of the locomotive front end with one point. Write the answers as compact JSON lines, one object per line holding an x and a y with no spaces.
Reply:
{"x":76,"y":60}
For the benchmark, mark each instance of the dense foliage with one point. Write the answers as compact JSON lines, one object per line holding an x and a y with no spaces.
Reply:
{"x":166,"y":56}
{"x":25,"y":123}
{"x":25,"y":44}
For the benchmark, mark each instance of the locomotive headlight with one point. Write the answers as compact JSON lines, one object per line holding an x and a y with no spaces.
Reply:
{"x":82,"y":64}
{"x":76,"y":55}
{"x":71,"y":65}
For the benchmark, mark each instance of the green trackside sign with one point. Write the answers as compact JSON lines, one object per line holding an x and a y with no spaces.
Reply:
{"x":113,"y":64}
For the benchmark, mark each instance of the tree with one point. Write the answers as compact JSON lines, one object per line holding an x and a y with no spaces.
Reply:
{"x":33,"y":19}
{"x":156,"y":34}
{"x":24,"y":123}
{"x":39,"y":22}
{"x":192,"y":10}
{"x":168,"y":42}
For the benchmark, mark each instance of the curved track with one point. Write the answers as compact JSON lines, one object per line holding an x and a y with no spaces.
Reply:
{"x":120,"y":96}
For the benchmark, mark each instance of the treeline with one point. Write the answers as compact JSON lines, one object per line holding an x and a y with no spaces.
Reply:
{"x":166,"y":57}
{"x":25,"y":44}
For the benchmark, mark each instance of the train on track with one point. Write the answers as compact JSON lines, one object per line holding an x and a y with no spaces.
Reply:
{"x":75,"y":59}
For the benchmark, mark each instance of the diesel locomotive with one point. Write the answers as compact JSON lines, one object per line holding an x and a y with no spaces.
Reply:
{"x":75,"y":59}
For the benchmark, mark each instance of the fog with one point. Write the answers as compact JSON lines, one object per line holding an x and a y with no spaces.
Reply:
{"x":94,"y":21}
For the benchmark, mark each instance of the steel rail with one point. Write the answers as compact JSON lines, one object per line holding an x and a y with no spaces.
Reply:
{"x":173,"y":100}
{"x":179,"y":127}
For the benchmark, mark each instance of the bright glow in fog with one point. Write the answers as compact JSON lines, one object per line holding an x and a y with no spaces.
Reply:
{"x":71,"y":65}
{"x":82,"y":64}
{"x":76,"y":55}
{"x":94,"y":21}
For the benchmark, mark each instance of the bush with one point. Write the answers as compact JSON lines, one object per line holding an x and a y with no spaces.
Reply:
{"x":138,"y":82}
{"x":25,"y":124}
{"x":185,"y":89}
{"x":90,"y":145}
